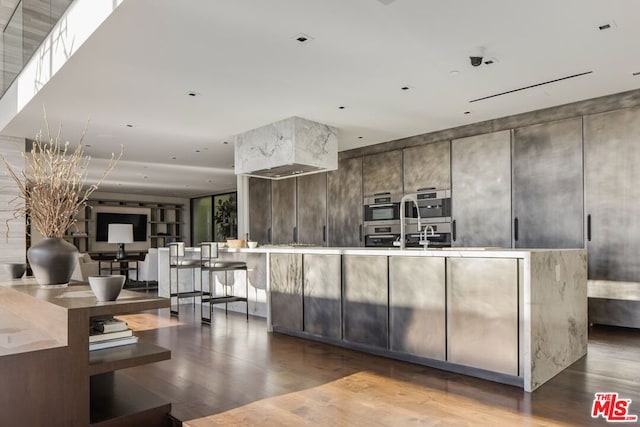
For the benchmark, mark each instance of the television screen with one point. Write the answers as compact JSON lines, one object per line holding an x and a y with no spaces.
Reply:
{"x":103,"y":219}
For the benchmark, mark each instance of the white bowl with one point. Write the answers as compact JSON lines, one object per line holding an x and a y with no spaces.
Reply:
{"x":106,"y":288}
{"x":252,"y":245}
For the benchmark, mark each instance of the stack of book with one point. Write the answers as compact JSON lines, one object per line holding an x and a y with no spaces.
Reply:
{"x":110,"y":332}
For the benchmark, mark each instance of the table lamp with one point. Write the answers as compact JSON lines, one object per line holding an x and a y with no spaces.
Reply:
{"x":120,"y":234}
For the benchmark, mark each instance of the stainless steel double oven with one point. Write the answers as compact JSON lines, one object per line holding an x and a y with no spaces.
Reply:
{"x":381,"y":219}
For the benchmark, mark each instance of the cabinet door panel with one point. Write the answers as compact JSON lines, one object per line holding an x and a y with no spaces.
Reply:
{"x":366,"y":300}
{"x":283,"y":210}
{"x":547,"y":185}
{"x":382,"y":173}
{"x":323,"y":295}
{"x":481,"y":190}
{"x":417,"y":299}
{"x":344,"y":204}
{"x":482,"y":313}
{"x":312,"y":208}
{"x":286,"y":290}
{"x":427,"y":166}
{"x":259,"y":209}
{"x":612,"y":156}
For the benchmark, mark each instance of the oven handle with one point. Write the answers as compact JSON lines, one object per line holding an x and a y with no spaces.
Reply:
{"x":382,"y":205}
{"x":381,"y":236}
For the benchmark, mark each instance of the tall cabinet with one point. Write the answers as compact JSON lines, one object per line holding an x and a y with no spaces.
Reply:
{"x":481,"y":190}
{"x":283,"y":211}
{"x":547,"y":185}
{"x":311,"y":225}
{"x":427,"y":166}
{"x":260,"y":210}
{"x":382,"y":173}
{"x":612,"y":156}
{"x":344,"y":204}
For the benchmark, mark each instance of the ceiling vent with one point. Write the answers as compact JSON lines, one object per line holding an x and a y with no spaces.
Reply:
{"x":287,"y":148}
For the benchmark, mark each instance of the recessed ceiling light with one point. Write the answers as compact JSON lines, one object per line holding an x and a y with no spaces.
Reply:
{"x":209,"y":180}
{"x":302,"y":38}
{"x":233,"y":166}
{"x":129,"y":126}
{"x":145,"y":177}
{"x":225,"y":142}
{"x":197,"y":151}
{"x":637,"y":73}
{"x":193,"y":93}
{"x":488,"y":62}
{"x":405,"y":87}
{"x":467,"y":112}
{"x":173,"y":158}
{"x":604,"y":27}
{"x":87,"y":145}
{"x":341,"y":107}
{"x":360,"y":137}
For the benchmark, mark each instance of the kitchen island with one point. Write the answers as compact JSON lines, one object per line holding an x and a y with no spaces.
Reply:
{"x":515,"y":316}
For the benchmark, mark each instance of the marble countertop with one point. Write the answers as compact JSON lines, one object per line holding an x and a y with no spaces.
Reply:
{"x":478,"y":252}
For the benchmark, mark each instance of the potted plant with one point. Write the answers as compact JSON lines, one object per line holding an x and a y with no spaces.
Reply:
{"x":51,"y":192}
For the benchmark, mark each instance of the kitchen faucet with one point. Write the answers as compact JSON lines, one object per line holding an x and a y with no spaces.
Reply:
{"x":403,"y":238}
{"x":424,"y":241}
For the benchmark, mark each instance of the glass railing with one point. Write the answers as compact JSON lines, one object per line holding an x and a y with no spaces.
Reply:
{"x":31,"y":22}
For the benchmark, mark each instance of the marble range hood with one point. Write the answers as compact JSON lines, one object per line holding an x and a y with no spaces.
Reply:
{"x":290,"y":147}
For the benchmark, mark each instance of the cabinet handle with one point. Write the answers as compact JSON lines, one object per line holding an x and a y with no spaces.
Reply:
{"x":589,"y":227}
{"x":269,"y":234}
{"x":453,"y":230}
{"x":324,"y":233}
{"x":295,"y":234}
{"x":515,"y":229}
{"x":360,"y":233}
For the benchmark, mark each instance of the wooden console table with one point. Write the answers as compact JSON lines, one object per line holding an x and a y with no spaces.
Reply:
{"x":49,"y":377}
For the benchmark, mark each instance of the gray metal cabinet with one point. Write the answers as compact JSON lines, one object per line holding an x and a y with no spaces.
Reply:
{"x":322,"y":292}
{"x":283,"y":210}
{"x":260,"y":209}
{"x":482,"y":315}
{"x":547,"y":185}
{"x":417,"y":306}
{"x":481,"y":190}
{"x":365,"y":303}
{"x":612,"y":175}
{"x":382,"y":173}
{"x":344,"y":204}
{"x":286,"y":291}
{"x":427,"y":166}
{"x":312,"y":209}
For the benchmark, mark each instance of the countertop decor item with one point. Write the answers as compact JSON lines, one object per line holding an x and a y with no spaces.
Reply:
{"x":106,"y":288}
{"x":52,"y":188}
{"x":252,"y":244}
{"x":236,"y":243}
{"x":15,"y":269}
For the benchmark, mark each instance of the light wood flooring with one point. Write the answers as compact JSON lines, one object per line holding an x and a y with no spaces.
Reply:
{"x":235,"y":373}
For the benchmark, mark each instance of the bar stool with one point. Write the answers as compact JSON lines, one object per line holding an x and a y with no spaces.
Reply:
{"x":177,"y":262}
{"x":211,"y":264}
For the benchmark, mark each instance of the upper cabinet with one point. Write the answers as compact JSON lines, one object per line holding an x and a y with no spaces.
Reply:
{"x":427,"y":166}
{"x":312,"y":209}
{"x":260,"y":210}
{"x":382,"y":173}
{"x":344,"y":204}
{"x":481,"y":190}
{"x":612,"y":156}
{"x":547,"y":185}
{"x":283,"y":211}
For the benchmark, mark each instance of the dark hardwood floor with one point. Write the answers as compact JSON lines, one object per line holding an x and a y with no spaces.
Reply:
{"x":234,"y":363}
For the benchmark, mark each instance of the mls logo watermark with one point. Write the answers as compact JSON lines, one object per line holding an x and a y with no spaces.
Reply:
{"x":611,"y":408}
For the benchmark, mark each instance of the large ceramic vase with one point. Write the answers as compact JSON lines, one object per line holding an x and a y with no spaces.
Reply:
{"x":52,"y":261}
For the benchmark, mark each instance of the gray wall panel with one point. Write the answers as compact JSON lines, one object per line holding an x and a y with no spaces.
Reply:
{"x":547,"y":185}
{"x":322,"y":295}
{"x":481,"y":190}
{"x":612,"y":178}
{"x":344,"y":204}
{"x":312,"y":208}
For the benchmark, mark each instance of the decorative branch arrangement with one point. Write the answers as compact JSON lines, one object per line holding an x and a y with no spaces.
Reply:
{"x":52,"y":186}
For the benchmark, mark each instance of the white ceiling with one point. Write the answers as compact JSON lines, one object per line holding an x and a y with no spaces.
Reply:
{"x":242,"y":59}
